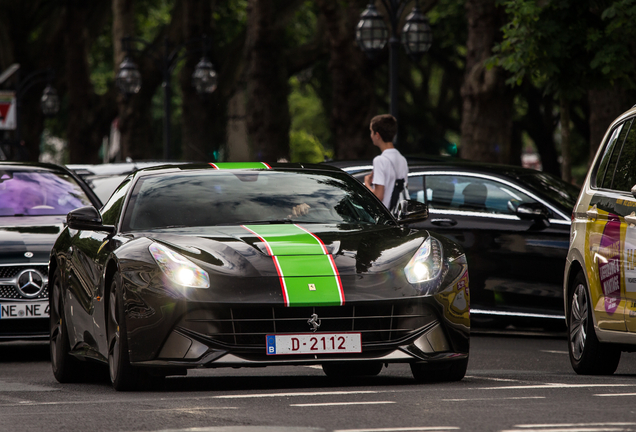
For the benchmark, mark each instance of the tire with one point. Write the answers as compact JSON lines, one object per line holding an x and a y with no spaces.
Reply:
{"x":439,"y":372}
{"x":123,"y":376}
{"x":66,"y":367}
{"x":352,"y":369}
{"x":588,"y":356}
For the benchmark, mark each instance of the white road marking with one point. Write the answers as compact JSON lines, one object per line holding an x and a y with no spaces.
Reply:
{"x":493,"y":399}
{"x":584,"y":429}
{"x":493,"y":378}
{"x":573,"y":427}
{"x":554,"y":352}
{"x":403,"y":429}
{"x":261,"y":395}
{"x":614,"y":394}
{"x":342,"y":403}
{"x":554,"y":385}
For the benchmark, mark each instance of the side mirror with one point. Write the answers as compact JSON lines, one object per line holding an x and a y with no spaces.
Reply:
{"x":87,"y":218}
{"x":409,"y":211}
{"x":535,"y":212}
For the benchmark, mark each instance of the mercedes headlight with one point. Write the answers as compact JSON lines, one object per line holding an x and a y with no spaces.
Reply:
{"x":178,"y":268}
{"x":426,"y":264}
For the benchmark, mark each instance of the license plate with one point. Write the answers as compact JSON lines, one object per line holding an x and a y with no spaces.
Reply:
{"x":24,"y":310}
{"x":312,"y":343}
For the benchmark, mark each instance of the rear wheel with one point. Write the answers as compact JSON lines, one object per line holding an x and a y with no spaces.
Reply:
{"x":351,"y":369}
{"x":123,"y":375}
{"x":587,"y":355}
{"x":439,"y":371}
{"x":66,"y":368}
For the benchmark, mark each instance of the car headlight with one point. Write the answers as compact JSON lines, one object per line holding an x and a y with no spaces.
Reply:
{"x":426,"y":264}
{"x":178,"y":268}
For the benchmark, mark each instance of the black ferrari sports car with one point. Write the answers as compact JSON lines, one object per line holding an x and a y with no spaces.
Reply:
{"x":249,"y":264}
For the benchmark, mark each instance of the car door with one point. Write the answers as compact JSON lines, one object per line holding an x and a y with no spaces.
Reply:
{"x":515,"y":265}
{"x":612,"y":240}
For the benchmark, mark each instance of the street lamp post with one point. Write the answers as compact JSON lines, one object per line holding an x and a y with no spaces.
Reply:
{"x":49,"y":101}
{"x":128,"y":78}
{"x":372,"y":35}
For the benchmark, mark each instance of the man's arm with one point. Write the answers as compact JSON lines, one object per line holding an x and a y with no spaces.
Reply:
{"x":378,"y":190}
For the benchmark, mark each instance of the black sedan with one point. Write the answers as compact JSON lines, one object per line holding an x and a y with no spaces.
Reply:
{"x":34,"y":201}
{"x":514,"y":226}
{"x":241,"y":265}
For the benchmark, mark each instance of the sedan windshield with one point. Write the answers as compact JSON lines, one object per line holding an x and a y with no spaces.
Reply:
{"x":212,"y":198}
{"x":32,"y":193}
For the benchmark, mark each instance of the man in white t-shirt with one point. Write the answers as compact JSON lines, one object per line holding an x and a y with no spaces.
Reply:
{"x":388,"y":166}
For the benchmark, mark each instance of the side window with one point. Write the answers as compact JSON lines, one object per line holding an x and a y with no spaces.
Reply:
{"x":624,"y":176}
{"x":110,"y":211}
{"x":474,"y":194}
{"x":416,"y":188}
{"x":607,"y":165}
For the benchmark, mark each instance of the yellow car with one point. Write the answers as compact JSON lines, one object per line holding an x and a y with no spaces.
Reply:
{"x":600,"y":273}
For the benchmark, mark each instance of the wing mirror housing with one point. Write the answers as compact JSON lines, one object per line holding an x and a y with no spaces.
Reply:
{"x":87,"y":218}
{"x":535,"y":212}
{"x":409,"y":211}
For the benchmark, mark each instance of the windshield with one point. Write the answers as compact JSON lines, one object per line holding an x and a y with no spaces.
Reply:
{"x":209,"y":198}
{"x":553,"y":188}
{"x":33,"y":193}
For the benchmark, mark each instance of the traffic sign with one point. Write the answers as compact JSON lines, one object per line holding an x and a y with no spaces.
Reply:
{"x":7,"y":110}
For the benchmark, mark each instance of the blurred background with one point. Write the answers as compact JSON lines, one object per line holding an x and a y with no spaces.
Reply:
{"x":522,"y":82}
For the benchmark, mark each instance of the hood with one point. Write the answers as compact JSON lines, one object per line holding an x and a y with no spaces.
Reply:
{"x":298,"y":265}
{"x":28,"y":235}
{"x":294,"y":248}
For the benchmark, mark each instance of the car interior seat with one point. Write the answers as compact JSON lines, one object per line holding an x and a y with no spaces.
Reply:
{"x":475,"y":195}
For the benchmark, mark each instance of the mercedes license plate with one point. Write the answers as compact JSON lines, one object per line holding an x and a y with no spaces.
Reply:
{"x":24,"y":310}
{"x":314,"y":343}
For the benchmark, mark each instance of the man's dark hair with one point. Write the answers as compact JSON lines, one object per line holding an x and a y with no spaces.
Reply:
{"x":385,"y":125}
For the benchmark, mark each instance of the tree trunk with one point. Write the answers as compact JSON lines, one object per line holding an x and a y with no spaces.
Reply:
{"x":202,"y":120}
{"x":353,"y":97}
{"x":566,"y":171}
{"x":605,"y":106}
{"x":486,"y":129}
{"x":268,"y":118}
{"x":540,"y":124}
{"x":134,"y":111}
{"x":83,"y":137}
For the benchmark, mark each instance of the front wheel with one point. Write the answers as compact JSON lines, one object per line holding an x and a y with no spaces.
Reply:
{"x":123,"y":375}
{"x":588,"y":355}
{"x":440,"y":372}
{"x":66,"y":368}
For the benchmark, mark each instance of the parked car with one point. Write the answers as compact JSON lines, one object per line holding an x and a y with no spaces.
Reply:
{"x":247,"y":264}
{"x":514,"y":226}
{"x":34,"y":201}
{"x":600,"y":276}
{"x":104,"y":178}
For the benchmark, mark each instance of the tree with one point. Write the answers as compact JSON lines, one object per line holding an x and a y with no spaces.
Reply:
{"x":486,"y":130}
{"x":267,"y":87}
{"x":568,"y":48}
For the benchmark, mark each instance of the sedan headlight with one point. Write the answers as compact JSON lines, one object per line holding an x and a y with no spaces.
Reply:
{"x":426,"y":264}
{"x":178,"y":268}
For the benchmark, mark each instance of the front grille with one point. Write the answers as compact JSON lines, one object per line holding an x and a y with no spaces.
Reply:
{"x":246,"y":327}
{"x":8,"y":275}
{"x":8,"y":292}
{"x":8,"y":272}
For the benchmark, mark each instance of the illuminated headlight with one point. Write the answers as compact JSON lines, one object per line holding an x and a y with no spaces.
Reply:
{"x":178,"y":268}
{"x":426,"y":264}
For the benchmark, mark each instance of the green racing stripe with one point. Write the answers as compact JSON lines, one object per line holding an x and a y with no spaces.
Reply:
{"x":308,"y":274}
{"x":240,"y":165}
